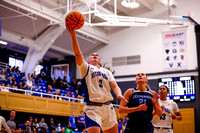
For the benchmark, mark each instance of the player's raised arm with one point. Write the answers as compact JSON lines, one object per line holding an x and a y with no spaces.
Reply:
{"x":117,"y":91}
{"x":156,"y":105}
{"x":75,"y":46}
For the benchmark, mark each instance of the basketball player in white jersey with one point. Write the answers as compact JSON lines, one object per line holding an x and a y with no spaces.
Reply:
{"x":3,"y":122}
{"x":97,"y":83}
{"x":170,"y":111}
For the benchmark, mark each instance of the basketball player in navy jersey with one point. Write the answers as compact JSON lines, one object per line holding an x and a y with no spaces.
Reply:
{"x":97,"y":83}
{"x":142,"y":101}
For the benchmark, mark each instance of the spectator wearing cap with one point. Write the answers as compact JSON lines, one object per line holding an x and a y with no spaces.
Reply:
{"x":30,"y":121}
{"x":52,"y":126}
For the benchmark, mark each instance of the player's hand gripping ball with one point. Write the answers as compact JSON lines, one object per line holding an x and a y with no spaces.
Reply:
{"x":75,"y":20}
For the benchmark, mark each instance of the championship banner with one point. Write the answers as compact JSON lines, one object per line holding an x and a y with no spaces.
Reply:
{"x":174,"y":50}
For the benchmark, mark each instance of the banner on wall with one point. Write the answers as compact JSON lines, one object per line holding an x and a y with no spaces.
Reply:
{"x":174,"y":50}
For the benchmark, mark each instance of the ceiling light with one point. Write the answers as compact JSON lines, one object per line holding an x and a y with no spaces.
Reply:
{"x":3,"y":42}
{"x":130,"y":4}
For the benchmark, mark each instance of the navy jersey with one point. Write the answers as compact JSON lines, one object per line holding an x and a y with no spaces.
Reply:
{"x":140,"y":121}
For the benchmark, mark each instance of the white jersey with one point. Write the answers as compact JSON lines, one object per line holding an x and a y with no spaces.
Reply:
{"x":95,"y":83}
{"x":165,"y":120}
{"x":3,"y":122}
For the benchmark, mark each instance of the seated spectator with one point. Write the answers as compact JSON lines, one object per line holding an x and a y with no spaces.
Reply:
{"x":30,"y":121}
{"x":29,"y":82}
{"x":72,"y":100}
{"x":61,"y":85}
{"x":42,"y":125}
{"x":63,"y":130}
{"x":26,"y":128}
{"x":33,"y":127}
{"x":17,"y":70}
{"x":13,"y":79}
{"x":58,"y":128}
{"x":52,"y":126}
{"x":8,"y":69}
{"x":74,"y":84}
{"x":67,"y":89}
{"x":15,"y":83}
{"x":49,"y":87}
{"x":13,"y":69}
{"x":68,"y":129}
{"x":53,"y":83}
{"x":9,"y":81}
{"x":28,"y":76}
{"x":2,"y":77}
{"x":36,"y":124}
{"x":65,"y":82}
{"x":67,"y":95}
{"x":14,"y":87}
{"x":20,"y":85}
{"x":48,"y":96}
{"x":77,"y":95}
{"x":23,"y":77}
{"x":3,"y":88}
{"x":57,"y":92}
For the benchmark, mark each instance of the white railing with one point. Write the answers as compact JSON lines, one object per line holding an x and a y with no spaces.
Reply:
{"x":3,"y":65}
{"x":30,"y":92}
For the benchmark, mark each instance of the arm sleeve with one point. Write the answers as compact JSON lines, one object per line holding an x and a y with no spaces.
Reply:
{"x":175,"y":107}
{"x":5,"y":125}
{"x":83,"y":68}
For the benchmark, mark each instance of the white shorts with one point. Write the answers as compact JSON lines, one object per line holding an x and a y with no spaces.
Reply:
{"x":103,"y":116}
{"x":163,"y":130}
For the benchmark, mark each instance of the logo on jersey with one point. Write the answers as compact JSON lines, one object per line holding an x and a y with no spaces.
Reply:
{"x":142,"y":96}
{"x":100,"y":74}
{"x":167,"y":110}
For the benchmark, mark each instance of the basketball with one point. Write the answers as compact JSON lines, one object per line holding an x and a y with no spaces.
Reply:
{"x":75,"y":20}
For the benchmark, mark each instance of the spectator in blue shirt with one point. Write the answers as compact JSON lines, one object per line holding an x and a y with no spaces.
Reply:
{"x":72,"y":121}
{"x":81,"y":122}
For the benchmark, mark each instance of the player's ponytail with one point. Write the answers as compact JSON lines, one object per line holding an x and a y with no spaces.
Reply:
{"x":106,"y":67}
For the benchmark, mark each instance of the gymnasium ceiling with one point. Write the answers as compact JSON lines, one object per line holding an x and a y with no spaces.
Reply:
{"x":24,"y":21}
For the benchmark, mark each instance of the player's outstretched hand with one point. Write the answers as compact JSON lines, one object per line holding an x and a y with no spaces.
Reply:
{"x":162,"y":107}
{"x":142,"y":107}
{"x":155,"y":97}
{"x":173,"y":116}
{"x":122,"y":98}
{"x":70,"y":30}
